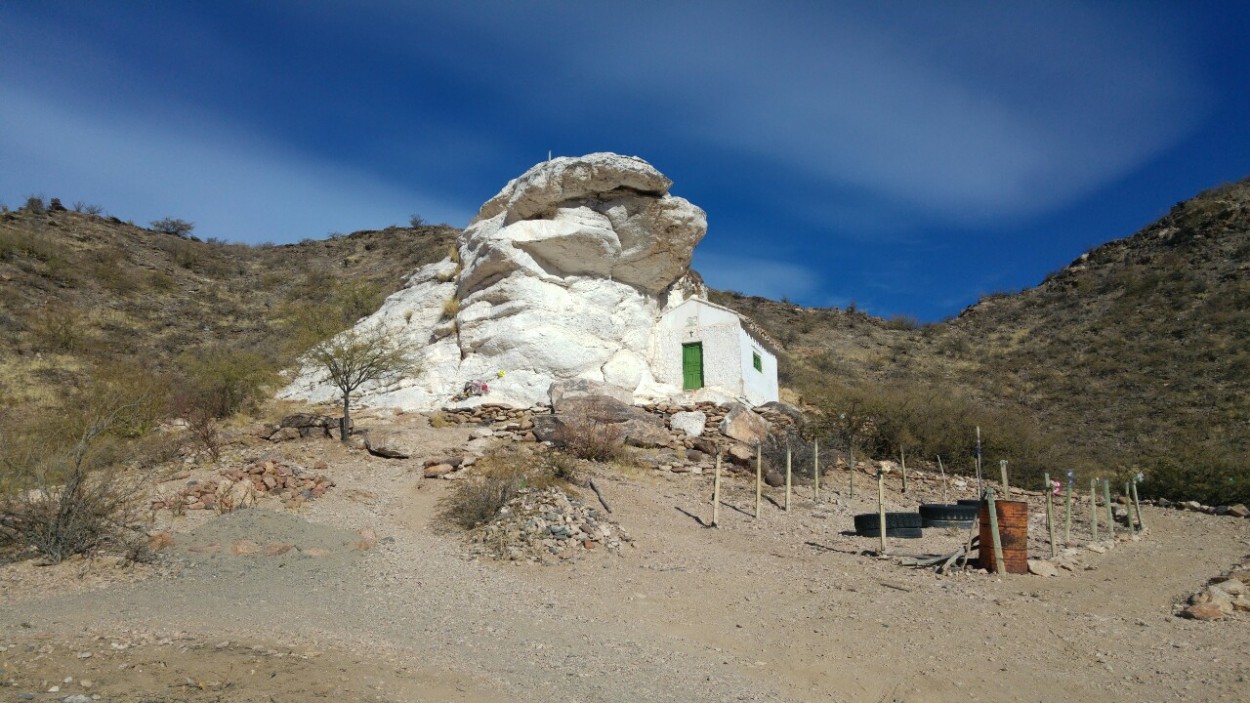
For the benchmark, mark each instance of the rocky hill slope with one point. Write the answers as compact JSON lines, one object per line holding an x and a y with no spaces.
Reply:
{"x":1134,"y":357}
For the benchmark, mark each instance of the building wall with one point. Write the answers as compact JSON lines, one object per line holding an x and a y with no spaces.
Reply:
{"x":759,"y":386}
{"x":727,"y":352}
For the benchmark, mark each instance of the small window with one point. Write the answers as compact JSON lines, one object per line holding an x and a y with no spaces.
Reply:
{"x":757,"y":362}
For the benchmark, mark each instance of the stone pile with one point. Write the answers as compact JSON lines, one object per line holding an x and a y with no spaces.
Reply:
{"x":543,"y":525}
{"x":299,"y":426}
{"x":1223,"y":596}
{"x":292,"y":484}
{"x":490,"y":413}
{"x":1237,"y":511}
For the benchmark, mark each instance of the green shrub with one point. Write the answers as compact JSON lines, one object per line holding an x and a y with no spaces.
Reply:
{"x":174,"y":226}
{"x":223,"y":381}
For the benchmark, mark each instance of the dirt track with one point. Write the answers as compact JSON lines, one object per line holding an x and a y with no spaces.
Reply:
{"x":785,"y":608}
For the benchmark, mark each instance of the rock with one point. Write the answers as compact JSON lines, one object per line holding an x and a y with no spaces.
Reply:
{"x":482,"y":433}
{"x":1205,"y":611}
{"x":1232,"y":587}
{"x":741,"y":454}
{"x":774,"y":478}
{"x":581,"y":388}
{"x":244,"y":547}
{"x":562,"y":275}
{"x":390,"y":444}
{"x":689,"y":423}
{"x":1093,"y":547}
{"x":275,"y":549}
{"x":635,"y":426}
{"x":285,"y":434}
{"x":1192,"y":505}
{"x":160,"y":540}
{"x":438,"y":470}
{"x":1239,"y":510}
{"x":786,"y":409}
{"x":704,"y":444}
{"x":1216,"y":597}
{"x":744,"y":425}
{"x":696,"y":456}
{"x":1041,"y":567}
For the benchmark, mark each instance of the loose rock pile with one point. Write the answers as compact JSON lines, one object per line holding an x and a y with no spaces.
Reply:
{"x":489,"y":413}
{"x":1238,"y":511}
{"x":540,"y":525}
{"x":1224,"y":595}
{"x":291,"y":484}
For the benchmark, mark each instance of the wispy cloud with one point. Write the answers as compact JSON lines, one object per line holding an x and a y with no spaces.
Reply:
{"x":225,"y":178}
{"x":756,"y":276}
{"x":963,"y":111}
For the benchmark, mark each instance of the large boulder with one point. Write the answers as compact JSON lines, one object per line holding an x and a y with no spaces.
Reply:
{"x":689,"y":423}
{"x":561,"y":276}
{"x":742,"y":424}
{"x":636,"y":426}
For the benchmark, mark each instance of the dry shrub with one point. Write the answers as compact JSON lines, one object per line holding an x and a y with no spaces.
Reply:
{"x":203,"y":428}
{"x":590,"y":439}
{"x":64,"y":493}
{"x":497,"y":478}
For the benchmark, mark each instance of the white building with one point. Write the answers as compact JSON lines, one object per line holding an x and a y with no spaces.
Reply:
{"x":699,"y":344}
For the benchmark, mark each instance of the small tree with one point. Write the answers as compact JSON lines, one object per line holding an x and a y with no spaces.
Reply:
{"x":360,"y":356}
{"x":174,"y":226}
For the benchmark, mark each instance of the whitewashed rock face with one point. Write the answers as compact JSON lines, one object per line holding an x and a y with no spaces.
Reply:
{"x":562,"y":275}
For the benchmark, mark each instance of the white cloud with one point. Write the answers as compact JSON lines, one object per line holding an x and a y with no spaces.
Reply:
{"x":232,"y":184}
{"x":965,"y":111}
{"x":755,"y":276}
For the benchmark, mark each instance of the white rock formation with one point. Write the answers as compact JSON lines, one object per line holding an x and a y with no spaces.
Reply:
{"x":562,"y":275}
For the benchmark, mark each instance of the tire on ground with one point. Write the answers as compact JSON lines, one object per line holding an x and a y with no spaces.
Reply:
{"x":872,"y":522}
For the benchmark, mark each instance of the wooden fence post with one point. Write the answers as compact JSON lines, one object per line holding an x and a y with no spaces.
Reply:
{"x":716,"y":493}
{"x":1093,"y":509}
{"x":759,"y":476}
{"x":943,"y":470}
{"x":1140,"y":525}
{"x":1002,"y":469}
{"x":816,"y":470}
{"x":1106,"y":497}
{"x":1067,"y":514}
{"x":1050,"y":516}
{"x":788,"y":476}
{"x":881,"y":506}
{"x":902,"y":456}
{"x":999,"y":565}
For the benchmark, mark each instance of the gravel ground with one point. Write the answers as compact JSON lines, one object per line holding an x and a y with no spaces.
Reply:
{"x":366,"y":597}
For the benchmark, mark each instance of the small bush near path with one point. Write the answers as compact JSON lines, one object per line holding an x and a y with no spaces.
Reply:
{"x":591,"y":440}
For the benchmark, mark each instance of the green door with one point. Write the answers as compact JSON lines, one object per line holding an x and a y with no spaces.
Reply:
{"x":692,"y":366}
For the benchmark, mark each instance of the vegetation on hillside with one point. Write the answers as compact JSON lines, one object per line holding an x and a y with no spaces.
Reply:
{"x":1133,"y":358}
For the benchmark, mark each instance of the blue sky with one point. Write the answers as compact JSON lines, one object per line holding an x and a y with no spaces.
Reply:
{"x":908,"y":157}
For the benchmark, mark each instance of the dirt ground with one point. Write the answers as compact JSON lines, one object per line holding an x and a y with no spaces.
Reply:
{"x":361,"y":595}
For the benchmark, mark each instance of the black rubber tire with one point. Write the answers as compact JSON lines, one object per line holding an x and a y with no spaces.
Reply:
{"x":899,"y":532}
{"x":969,"y":501}
{"x":872,"y":521}
{"x":960,"y":524}
{"x":948,"y":512}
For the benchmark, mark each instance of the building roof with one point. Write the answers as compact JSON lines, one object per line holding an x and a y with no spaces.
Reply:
{"x":753,"y":330}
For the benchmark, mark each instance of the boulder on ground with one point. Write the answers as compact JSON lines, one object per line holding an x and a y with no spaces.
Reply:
{"x":581,"y":388}
{"x":744,"y":425}
{"x":390,"y":444}
{"x":690,"y":423}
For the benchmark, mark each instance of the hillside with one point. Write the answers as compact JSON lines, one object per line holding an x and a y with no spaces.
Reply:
{"x":1134,"y":357}
{"x":81,"y":290}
